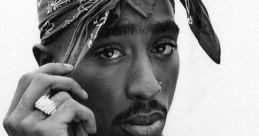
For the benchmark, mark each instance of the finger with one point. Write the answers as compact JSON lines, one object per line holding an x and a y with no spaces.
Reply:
{"x":51,"y":68}
{"x":31,"y":120}
{"x":81,"y":130}
{"x":8,"y":121}
{"x":55,"y":69}
{"x":60,"y":98}
{"x":22,"y":85}
{"x":70,"y":110}
{"x":38,"y":115}
{"x":43,"y":83}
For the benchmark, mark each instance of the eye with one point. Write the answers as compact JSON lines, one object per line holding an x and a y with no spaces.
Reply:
{"x":164,"y":47}
{"x":109,"y":53}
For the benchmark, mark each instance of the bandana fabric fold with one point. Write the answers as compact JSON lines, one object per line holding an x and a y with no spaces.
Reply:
{"x":200,"y":25}
{"x":55,"y":15}
{"x":58,"y":14}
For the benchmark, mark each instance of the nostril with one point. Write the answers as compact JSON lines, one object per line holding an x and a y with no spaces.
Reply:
{"x":138,"y":97}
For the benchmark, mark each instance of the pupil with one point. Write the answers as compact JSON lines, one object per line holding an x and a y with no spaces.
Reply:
{"x":161,"y":49}
{"x":109,"y":53}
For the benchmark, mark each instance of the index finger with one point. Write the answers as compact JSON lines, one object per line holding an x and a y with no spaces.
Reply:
{"x":55,"y":69}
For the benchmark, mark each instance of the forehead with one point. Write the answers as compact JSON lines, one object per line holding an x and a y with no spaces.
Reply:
{"x":161,"y":11}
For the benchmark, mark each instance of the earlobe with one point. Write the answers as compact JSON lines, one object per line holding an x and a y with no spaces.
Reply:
{"x":41,"y":55}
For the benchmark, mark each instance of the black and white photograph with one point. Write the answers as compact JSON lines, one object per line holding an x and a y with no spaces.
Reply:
{"x":129,"y":68}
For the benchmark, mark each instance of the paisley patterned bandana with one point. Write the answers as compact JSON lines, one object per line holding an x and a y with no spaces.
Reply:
{"x":55,"y":15}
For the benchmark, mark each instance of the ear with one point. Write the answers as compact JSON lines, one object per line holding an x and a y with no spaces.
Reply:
{"x":41,"y":54}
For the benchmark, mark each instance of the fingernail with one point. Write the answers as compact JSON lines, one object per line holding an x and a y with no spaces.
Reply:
{"x":85,"y":95}
{"x":69,"y":66}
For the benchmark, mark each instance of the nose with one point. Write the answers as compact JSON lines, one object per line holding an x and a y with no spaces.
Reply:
{"x":142,"y":83}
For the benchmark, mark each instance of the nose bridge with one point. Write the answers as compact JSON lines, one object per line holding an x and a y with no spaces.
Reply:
{"x":142,"y":82}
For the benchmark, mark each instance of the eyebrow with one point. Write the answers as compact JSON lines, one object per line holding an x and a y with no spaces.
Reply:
{"x":129,"y":29}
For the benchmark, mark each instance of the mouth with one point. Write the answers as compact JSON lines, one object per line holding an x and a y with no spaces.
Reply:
{"x":144,"y":124}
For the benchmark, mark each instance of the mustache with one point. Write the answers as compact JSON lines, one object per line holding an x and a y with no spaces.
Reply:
{"x":140,"y":107}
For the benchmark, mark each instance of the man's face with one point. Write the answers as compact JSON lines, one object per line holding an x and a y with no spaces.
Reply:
{"x":123,"y":71}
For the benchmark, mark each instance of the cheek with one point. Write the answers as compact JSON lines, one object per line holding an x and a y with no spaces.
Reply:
{"x":168,"y":74}
{"x":105,"y":88}
{"x":172,"y":84}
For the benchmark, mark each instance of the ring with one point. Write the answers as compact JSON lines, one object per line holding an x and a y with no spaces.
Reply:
{"x":45,"y":105}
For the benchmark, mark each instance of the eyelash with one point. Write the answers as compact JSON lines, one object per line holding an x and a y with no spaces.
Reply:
{"x":115,"y":50}
{"x":100,"y":51}
{"x":165,"y":42}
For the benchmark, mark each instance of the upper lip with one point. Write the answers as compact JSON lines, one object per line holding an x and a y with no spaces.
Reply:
{"x":142,"y":119}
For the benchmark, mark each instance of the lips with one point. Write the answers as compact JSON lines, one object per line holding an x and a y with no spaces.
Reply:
{"x":144,"y":124}
{"x":143,"y":119}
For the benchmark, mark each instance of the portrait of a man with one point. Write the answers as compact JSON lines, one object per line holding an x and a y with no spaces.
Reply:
{"x":106,"y":67}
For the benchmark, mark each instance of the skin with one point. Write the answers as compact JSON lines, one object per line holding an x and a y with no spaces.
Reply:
{"x":115,"y":74}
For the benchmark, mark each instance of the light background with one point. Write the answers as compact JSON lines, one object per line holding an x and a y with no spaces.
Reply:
{"x":210,"y":100}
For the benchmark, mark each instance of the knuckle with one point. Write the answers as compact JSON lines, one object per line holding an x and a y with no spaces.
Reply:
{"x":62,"y":95}
{"x":24,"y":78}
{"x":6,"y":122}
{"x":25,"y":125}
{"x":37,"y":130}
{"x":90,"y":113}
{"x":39,"y":78}
{"x":70,"y":104}
{"x":9,"y":123}
{"x":70,"y":80}
{"x":73,"y":83}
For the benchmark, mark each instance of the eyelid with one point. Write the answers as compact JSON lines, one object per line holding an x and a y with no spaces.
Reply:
{"x":109,"y":46}
{"x":101,"y":48}
{"x":166,"y":40}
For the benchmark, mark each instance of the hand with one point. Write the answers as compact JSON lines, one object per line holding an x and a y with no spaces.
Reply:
{"x":23,"y":119}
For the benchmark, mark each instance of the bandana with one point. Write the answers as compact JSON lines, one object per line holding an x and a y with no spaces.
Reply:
{"x":56,"y":15}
